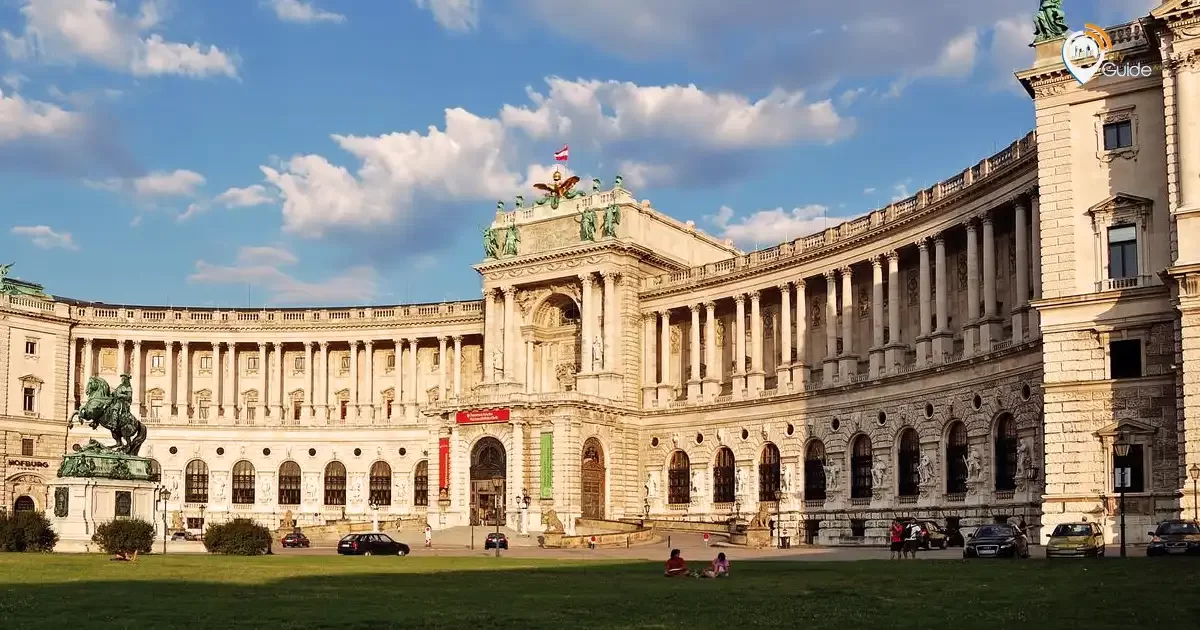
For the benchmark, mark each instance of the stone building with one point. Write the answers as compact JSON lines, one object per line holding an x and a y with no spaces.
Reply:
{"x":967,"y":354}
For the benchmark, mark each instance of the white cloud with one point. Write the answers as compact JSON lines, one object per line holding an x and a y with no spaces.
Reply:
{"x":869,"y":191}
{"x":642,"y":175}
{"x":260,"y":267}
{"x":14,"y":80}
{"x":770,"y":227}
{"x":23,"y":119}
{"x":195,"y":208}
{"x":303,"y":12}
{"x":46,"y":238}
{"x":1010,"y":51}
{"x":956,"y":60}
{"x":250,"y":196}
{"x":901,"y":190}
{"x":83,"y":98}
{"x":177,"y":183}
{"x":66,"y":31}
{"x":454,"y":15}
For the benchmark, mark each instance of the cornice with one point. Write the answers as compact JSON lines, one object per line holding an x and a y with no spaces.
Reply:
{"x":573,"y":257}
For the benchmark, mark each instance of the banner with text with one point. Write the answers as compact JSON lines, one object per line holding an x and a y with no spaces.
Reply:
{"x":482,"y":416}
{"x":443,"y":463}
{"x":547,"y":453}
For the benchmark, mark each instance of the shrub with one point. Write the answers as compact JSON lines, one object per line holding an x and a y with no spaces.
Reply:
{"x":125,"y":537}
{"x":26,"y":531}
{"x":239,"y":537}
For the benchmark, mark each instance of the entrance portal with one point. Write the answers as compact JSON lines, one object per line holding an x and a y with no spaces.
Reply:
{"x":592,"y":480}
{"x":489,"y":466}
{"x":24,"y":504}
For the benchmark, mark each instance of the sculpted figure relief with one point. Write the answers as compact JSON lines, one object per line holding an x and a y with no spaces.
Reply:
{"x":974,"y":464}
{"x":740,"y":481}
{"x":925,"y":470}
{"x":651,"y":485}
{"x":833,"y":475}
{"x":1050,"y":21}
{"x":878,"y":476}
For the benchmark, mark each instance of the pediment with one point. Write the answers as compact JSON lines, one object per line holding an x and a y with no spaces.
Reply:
{"x":1129,"y":427}
{"x":1175,"y":6}
{"x":1122,"y":202}
{"x":31,"y":379}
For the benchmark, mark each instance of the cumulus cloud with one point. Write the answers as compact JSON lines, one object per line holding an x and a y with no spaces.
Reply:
{"x":454,"y":15}
{"x":68,"y":31}
{"x":261,"y":267}
{"x":23,"y":119}
{"x":44,"y":237}
{"x":302,"y":12}
{"x":250,"y":196}
{"x":48,"y":138}
{"x":769,"y":227}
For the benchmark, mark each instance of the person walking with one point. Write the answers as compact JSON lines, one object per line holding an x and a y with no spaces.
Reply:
{"x":896,"y":533}
{"x":911,"y":540}
{"x":428,"y":535}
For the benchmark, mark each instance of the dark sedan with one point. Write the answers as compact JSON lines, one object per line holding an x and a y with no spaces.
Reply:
{"x":371,"y":545}
{"x":1176,"y":537}
{"x":996,"y":541}
{"x":495,"y":540}
{"x":295,"y":539}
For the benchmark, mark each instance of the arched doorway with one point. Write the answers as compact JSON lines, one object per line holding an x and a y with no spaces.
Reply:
{"x":24,"y":503}
{"x":489,"y":465}
{"x":558,"y":343}
{"x":592,"y":472}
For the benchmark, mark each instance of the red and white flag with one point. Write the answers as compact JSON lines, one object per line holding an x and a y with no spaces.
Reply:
{"x":561,"y":155}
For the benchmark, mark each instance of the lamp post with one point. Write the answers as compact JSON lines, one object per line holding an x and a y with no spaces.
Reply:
{"x":1121,"y":450}
{"x":165,"y":495}
{"x":374,"y":514}
{"x":202,"y":523}
{"x":523,"y":500}
{"x":1194,"y":473}
{"x":497,"y":485}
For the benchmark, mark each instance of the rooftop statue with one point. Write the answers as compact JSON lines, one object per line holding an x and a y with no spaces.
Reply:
{"x":558,"y":190}
{"x":14,"y":286}
{"x":512,"y":238}
{"x":491,"y":243}
{"x":612,"y":218}
{"x":587,"y":225}
{"x":111,"y":411}
{"x":1050,"y":21}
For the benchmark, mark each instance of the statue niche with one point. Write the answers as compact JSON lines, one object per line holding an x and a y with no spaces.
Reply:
{"x":557,"y":338}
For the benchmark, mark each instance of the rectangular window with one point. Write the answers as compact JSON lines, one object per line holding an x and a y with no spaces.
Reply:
{"x":342,"y":409}
{"x":391,"y":361}
{"x":29,"y":400}
{"x":250,"y":409}
{"x":1122,"y":252}
{"x":1136,"y":465}
{"x":252,"y":364}
{"x":346,"y":362}
{"x":202,"y":409}
{"x":156,"y":408}
{"x":157,"y":361}
{"x":1125,"y":358}
{"x":30,"y":346}
{"x":295,"y":410}
{"x":206,"y":362}
{"x":299,"y":364}
{"x":389,"y":408}
{"x":27,"y":447}
{"x":858,"y":527}
{"x":195,"y":523}
{"x":1118,"y":135}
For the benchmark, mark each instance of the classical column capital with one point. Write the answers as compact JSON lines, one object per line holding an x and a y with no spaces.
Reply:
{"x":308,"y":345}
{"x":800,"y":284}
{"x":650,"y":316}
{"x":830,"y":275}
{"x":940,"y":239}
{"x":508,"y":291}
{"x":969,"y":224}
{"x":444,"y":339}
{"x":755,"y":295}
{"x":785,"y":287}
{"x":488,"y":292}
{"x":1021,"y":201}
{"x":710,"y":306}
{"x":586,"y":278}
{"x":610,"y":276}
{"x":877,"y":261}
{"x":985,"y":217}
{"x":740,"y":298}
{"x":414,"y":341}
{"x":262,"y":346}
{"x":694,"y":308}
{"x":368,"y":342}
{"x":846,"y":272}
{"x":324,"y":345}
{"x":923,"y":243}
{"x":353,"y":344}
{"x":137,"y":343}
{"x":184,"y":344}
{"x":892,"y":255}
{"x":458,"y":339}
{"x":87,"y":341}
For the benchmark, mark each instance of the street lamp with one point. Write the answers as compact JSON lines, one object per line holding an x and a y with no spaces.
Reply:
{"x":165,"y":495}
{"x":202,"y":508}
{"x":523,"y":501}
{"x":1194,"y":473}
{"x":1121,"y":450}
{"x":374,"y":514}
{"x":497,"y":484}
{"x":778,"y":522}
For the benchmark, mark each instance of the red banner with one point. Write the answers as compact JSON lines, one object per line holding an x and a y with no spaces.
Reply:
{"x":444,"y":463}
{"x":482,"y":416}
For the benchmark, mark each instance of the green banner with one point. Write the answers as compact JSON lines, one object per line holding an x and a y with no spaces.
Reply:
{"x":547,"y":465}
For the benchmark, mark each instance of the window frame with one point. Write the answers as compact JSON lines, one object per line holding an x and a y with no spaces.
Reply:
{"x":289,"y":485}
{"x":28,"y":446}
{"x":769,"y":469}
{"x":335,"y":484}
{"x":1109,"y":359}
{"x":1005,"y":441}
{"x":862,"y":484}
{"x":724,"y":476}
{"x":679,"y":482}
{"x":1116,"y":116}
{"x":421,"y":484}
{"x":31,"y":347}
{"x":1125,"y":247}
{"x":379,"y":484}
{"x":242,"y":483}
{"x":816,"y":486}
{"x":196,"y":482}
{"x":908,"y":462}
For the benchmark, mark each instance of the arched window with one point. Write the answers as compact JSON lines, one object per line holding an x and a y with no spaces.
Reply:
{"x":155,"y":470}
{"x":1006,"y":453}
{"x":723,"y":474}
{"x":814,"y":471}
{"x":289,"y":483}
{"x":908,"y":475}
{"x":195,"y":482}
{"x":335,"y":484}
{"x":243,"y":483}
{"x":956,"y":459}
{"x":24,"y":503}
{"x":421,"y":485}
{"x":768,"y":473}
{"x":381,"y":484}
{"x":679,"y":483}
{"x":861,"y":486}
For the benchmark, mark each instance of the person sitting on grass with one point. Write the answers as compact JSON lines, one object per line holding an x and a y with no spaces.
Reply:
{"x":719,"y":567}
{"x":676,"y":567}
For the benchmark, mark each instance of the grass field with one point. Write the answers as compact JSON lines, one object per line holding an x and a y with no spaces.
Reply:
{"x":68,"y":591}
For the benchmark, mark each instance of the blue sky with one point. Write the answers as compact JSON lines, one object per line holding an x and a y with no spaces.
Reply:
{"x":313,"y":152}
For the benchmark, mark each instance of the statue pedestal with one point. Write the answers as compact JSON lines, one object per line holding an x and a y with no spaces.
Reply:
{"x":758,"y":537}
{"x":82,"y":504}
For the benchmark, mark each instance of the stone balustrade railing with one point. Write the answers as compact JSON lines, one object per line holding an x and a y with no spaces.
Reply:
{"x":1017,"y":152}
{"x":107,"y":315}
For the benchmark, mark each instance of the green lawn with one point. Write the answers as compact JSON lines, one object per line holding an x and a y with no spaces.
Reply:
{"x":67,"y":592}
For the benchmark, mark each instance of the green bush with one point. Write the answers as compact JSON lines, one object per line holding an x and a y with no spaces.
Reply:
{"x":125,"y":536}
{"x":239,"y":537}
{"x":26,"y":531}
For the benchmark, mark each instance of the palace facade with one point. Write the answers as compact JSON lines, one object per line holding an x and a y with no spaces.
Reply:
{"x":968,"y":354}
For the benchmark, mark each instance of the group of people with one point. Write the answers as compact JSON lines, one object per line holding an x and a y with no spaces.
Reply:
{"x":676,"y":567}
{"x":905,"y":537}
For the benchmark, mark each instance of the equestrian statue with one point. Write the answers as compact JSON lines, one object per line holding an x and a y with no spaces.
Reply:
{"x":111,"y":411}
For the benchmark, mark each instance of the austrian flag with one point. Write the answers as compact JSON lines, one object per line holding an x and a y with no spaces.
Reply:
{"x":561,"y":155}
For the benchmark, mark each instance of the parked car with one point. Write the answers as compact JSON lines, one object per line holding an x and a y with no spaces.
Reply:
{"x":1076,"y":540}
{"x":495,"y":540}
{"x":922,"y":538}
{"x":184,"y":536}
{"x":1175,"y":537}
{"x":371,"y":545}
{"x":996,"y":541}
{"x":935,"y":537}
{"x":294,"y":539}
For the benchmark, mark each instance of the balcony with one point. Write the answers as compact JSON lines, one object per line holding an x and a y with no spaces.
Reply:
{"x":1131,"y":282}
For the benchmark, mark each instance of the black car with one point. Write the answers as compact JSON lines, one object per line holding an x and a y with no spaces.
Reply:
{"x":1175,"y":537}
{"x":495,"y":540}
{"x":996,"y":541}
{"x":295,"y":539}
{"x":371,"y":545}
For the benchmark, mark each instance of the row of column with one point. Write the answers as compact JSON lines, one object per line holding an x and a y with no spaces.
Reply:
{"x":934,"y":341}
{"x":272,"y":396}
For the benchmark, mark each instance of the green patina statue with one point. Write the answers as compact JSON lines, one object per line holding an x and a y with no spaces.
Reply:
{"x":13,"y":286}
{"x":587,"y":225}
{"x":1050,"y":21}
{"x":619,"y":183}
{"x":491,"y":243}
{"x":512,"y":238}
{"x":111,"y":411}
{"x":595,"y":185}
{"x":558,"y":190}
{"x":612,"y":218}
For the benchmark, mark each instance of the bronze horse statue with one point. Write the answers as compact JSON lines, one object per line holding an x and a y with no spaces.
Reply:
{"x":110,"y":409}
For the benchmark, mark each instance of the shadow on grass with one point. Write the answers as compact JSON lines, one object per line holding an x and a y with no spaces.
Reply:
{"x":313,"y":592}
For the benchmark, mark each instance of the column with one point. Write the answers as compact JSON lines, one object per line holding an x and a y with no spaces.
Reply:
{"x":756,"y":380}
{"x":665,"y":388}
{"x":971,"y":329}
{"x":528,"y":366}
{"x":230,"y":385}
{"x":489,"y":339}
{"x":1020,"y":304}
{"x":442,"y":341}
{"x":923,"y":342}
{"x":135,"y":370}
{"x":398,"y":377}
{"x":323,"y":394}
{"x":122,"y":358}
{"x":877,"y":348}
{"x":413,"y":376}
{"x":848,"y":365}
{"x":1035,"y":269}
{"x":264,"y":390}
{"x":369,"y":352}
{"x":587,"y":319}
{"x":894,"y":356}
{"x":943,"y":339}
{"x":217,"y":399}
{"x":739,"y":344}
{"x":711,"y":387}
{"x":649,"y":369}
{"x":353,"y":379}
{"x":185,"y":379}
{"x":510,"y":332}
{"x":800,"y":365}
{"x":310,"y":392}
{"x":991,"y":330}
{"x":457,"y":365}
{"x":831,"y":319}
{"x":693,"y":384}
{"x":171,"y":372}
{"x":612,"y":322}
{"x":280,"y":405}
{"x":86,"y":360}
{"x":783,"y":373}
